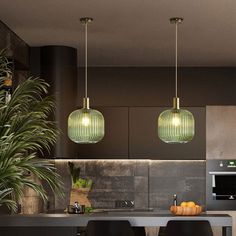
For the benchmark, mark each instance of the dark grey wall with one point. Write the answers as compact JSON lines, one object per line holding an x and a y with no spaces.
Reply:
{"x":153,"y":86}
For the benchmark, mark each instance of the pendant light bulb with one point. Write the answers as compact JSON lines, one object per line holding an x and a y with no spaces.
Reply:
{"x":85,"y":120}
{"x":176,"y":125}
{"x":176,"y":121}
{"x":86,"y":125}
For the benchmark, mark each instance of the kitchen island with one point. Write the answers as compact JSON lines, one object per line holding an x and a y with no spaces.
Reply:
{"x":147,"y":219}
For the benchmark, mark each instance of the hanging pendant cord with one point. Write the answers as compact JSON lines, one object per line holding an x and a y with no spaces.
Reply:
{"x":176,"y":59}
{"x":86,"y":60}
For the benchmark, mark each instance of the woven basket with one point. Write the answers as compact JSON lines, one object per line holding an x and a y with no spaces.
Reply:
{"x":80,"y":195}
{"x":186,"y":211}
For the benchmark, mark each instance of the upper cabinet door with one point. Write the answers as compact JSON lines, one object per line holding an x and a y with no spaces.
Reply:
{"x":144,"y":142}
{"x":220,"y":132}
{"x":115,"y":142}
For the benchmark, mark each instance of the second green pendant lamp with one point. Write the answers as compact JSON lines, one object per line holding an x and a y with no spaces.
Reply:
{"x":176,"y":125}
{"x":86,"y":125}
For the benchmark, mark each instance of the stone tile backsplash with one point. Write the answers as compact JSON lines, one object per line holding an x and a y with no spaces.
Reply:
{"x":184,"y":178}
{"x":150,"y":183}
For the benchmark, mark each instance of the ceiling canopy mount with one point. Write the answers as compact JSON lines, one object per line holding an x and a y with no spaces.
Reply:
{"x":86,"y":20}
{"x":176,"y":20}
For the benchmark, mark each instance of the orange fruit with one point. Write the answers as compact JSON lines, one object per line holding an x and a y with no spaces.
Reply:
{"x":183,"y":204}
{"x":191,"y":204}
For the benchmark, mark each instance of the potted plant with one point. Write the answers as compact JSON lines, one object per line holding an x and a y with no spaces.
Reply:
{"x":25,"y":132}
{"x":80,"y":187}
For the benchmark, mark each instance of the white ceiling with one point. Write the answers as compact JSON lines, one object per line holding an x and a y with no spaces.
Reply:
{"x":130,"y":32}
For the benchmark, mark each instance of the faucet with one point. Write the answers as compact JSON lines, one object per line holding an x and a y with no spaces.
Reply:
{"x":175,"y":200}
{"x":76,"y":207}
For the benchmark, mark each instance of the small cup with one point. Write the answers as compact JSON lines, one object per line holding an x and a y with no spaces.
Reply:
{"x":82,"y":209}
{"x":70,"y":209}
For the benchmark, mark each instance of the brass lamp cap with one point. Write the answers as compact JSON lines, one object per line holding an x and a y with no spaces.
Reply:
{"x":176,"y":103}
{"x":86,"y":103}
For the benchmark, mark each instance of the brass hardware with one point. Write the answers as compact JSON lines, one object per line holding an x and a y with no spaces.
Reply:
{"x":176,"y":103}
{"x":176,"y":20}
{"x":86,"y":20}
{"x":86,"y":103}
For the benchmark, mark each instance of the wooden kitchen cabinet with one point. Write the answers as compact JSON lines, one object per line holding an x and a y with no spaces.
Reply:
{"x":115,"y":142}
{"x":131,"y":132}
{"x":144,"y":142}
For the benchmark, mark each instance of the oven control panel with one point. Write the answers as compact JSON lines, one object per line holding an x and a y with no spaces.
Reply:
{"x":231,"y":164}
{"x":219,"y":165}
{"x":227,"y":163}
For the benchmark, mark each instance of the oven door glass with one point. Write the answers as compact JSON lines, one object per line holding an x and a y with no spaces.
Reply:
{"x":224,"y":187}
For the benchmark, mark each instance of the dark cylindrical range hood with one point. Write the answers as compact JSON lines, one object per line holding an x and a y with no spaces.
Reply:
{"x":57,"y":65}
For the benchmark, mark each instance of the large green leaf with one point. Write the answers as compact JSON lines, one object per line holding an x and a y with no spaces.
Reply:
{"x":25,"y":131}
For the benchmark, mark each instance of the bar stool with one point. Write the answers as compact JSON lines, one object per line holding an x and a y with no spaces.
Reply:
{"x":139,"y":231}
{"x":161,"y":231}
{"x":188,"y":228}
{"x":109,"y":228}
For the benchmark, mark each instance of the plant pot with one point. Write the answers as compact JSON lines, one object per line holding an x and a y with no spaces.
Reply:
{"x":80,"y":195}
{"x":4,"y":210}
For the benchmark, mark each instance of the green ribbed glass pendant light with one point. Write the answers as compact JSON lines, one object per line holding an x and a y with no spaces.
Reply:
{"x":86,"y":125}
{"x":176,"y":125}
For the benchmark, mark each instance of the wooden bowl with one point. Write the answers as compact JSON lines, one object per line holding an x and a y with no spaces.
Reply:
{"x":186,"y":211}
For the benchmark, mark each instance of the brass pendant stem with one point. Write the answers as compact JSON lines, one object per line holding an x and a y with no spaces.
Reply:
{"x":176,"y":21}
{"x":176,"y":103}
{"x":86,"y":103}
{"x":86,"y":21}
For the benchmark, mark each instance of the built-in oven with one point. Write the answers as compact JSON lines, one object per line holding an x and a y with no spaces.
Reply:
{"x":221,"y":184}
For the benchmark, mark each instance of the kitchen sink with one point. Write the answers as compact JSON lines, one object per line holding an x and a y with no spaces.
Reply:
{"x":124,"y":210}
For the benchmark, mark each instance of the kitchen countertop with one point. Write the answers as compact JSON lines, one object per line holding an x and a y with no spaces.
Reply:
{"x":135,"y":218}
